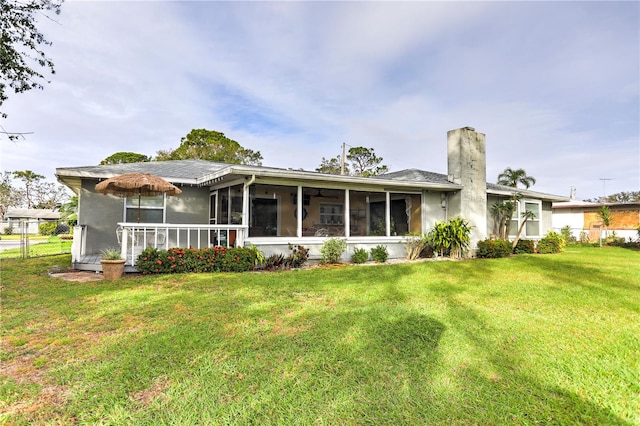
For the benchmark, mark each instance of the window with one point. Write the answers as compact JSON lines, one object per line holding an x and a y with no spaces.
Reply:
{"x":532,"y":227}
{"x":331,"y":214}
{"x":150,"y":209}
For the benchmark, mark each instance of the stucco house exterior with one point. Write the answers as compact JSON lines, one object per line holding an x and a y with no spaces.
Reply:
{"x":231,"y":204}
{"x":583,"y":218}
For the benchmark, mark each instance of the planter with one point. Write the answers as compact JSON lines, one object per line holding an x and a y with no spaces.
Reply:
{"x":112,"y":269}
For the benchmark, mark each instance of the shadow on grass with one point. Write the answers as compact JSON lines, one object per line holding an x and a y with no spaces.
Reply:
{"x":343,"y":365}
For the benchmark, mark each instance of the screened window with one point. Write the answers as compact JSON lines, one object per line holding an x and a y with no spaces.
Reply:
{"x":150,"y":209}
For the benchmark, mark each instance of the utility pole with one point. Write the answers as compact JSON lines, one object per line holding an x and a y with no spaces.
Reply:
{"x":344,"y":157}
{"x":604,"y":188}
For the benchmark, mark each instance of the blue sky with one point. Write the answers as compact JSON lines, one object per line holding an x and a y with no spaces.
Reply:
{"x":553,"y":85}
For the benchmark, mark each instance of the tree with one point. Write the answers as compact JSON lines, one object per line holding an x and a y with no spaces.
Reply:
{"x":364,"y":162}
{"x":30,"y":181}
{"x":525,"y":216}
{"x":605,"y":215}
{"x":37,"y":193}
{"x":513,"y":177}
{"x":69,"y":210}
{"x":620,"y":197}
{"x":21,"y":45}
{"x":48,"y":195}
{"x":125,"y":157}
{"x":210,"y":145}
{"x":9,"y":195}
{"x":332,"y":166}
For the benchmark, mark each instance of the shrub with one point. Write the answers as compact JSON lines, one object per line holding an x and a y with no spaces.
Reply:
{"x":332,"y":250}
{"x":525,"y":247}
{"x":567,"y":234}
{"x":297,"y":258}
{"x":491,"y":249}
{"x":551,"y":243}
{"x":62,"y":228}
{"x":415,"y":244}
{"x":452,"y":237}
{"x":47,"y":228}
{"x":275,"y":261}
{"x":360,"y":255}
{"x":379,"y":253}
{"x":179,"y":260}
{"x":8,"y":230}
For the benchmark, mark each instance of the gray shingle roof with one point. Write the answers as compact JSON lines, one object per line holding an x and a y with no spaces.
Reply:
{"x":175,"y":171}
{"x":415,"y":175}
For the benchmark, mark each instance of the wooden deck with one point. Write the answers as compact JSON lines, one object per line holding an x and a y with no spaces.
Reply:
{"x":91,"y":262}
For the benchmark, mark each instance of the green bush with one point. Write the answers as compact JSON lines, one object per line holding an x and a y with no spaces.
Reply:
{"x":360,"y":255}
{"x":551,"y":243}
{"x":525,"y":247}
{"x":491,"y":249}
{"x":332,"y":250}
{"x":567,"y":235}
{"x":180,"y":260}
{"x":8,"y":230}
{"x":451,"y":238}
{"x":379,"y":253}
{"x":62,"y":228}
{"x":47,"y":228}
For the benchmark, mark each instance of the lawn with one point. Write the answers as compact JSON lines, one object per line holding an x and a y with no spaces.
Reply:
{"x":532,"y":339}
{"x":39,"y":246}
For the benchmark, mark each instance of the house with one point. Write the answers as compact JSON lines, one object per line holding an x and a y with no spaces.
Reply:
{"x":233,"y":204}
{"x":28,"y":220}
{"x":584,"y":221}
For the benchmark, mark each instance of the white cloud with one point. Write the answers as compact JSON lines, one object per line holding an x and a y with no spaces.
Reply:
{"x":553,"y":85}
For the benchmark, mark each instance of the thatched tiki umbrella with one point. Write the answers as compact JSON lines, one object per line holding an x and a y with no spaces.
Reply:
{"x":140,"y":184}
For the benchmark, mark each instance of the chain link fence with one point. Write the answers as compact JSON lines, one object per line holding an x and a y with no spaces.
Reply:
{"x":33,"y":238}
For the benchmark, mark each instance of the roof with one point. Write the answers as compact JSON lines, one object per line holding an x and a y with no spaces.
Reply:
{"x":576,"y":204}
{"x":415,"y":175}
{"x":495,"y":189}
{"x":204,"y":173}
{"x":32,"y":214}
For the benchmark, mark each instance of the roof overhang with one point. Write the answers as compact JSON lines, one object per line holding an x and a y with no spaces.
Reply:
{"x":316,"y":179}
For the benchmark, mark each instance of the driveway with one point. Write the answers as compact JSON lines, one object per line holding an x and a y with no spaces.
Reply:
{"x":11,"y":244}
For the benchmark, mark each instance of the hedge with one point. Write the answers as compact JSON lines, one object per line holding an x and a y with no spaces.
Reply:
{"x":181,"y":260}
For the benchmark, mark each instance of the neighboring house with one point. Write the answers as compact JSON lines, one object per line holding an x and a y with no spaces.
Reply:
{"x":269,"y":207}
{"x":583,"y":218}
{"x":21,"y":220}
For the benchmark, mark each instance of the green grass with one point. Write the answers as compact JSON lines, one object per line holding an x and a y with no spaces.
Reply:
{"x":54,"y":245}
{"x":533,"y":339}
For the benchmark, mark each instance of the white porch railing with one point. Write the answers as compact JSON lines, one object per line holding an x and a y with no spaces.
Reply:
{"x":135,"y":237}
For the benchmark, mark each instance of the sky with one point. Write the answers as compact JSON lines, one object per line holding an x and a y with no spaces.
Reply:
{"x":554,"y":86}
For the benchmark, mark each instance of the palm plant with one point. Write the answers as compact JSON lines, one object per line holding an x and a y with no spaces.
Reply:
{"x":525,"y":216}
{"x":513,"y":177}
{"x":460,"y":235}
{"x":605,"y":215}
